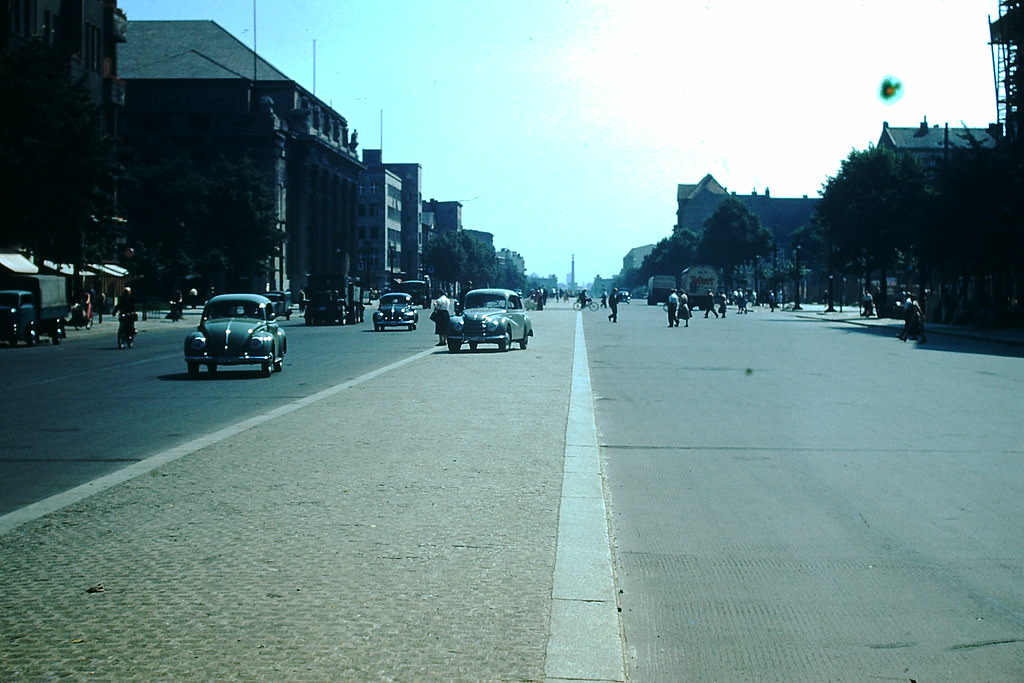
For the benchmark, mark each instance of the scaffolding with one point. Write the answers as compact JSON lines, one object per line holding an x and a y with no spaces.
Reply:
{"x":1005,"y":36}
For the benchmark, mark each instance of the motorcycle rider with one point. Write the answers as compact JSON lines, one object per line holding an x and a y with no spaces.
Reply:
{"x":126,"y":315}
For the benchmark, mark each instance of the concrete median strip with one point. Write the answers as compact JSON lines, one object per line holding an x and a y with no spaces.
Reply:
{"x":585,"y":642}
{"x":36,"y":510}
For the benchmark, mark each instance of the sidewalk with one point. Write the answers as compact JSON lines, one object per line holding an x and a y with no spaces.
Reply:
{"x":1010,"y":336}
{"x":402,"y":528}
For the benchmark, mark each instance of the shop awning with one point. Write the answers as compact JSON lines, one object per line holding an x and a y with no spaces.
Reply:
{"x":16,"y":263}
{"x":67,"y":268}
{"x":109,"y":269}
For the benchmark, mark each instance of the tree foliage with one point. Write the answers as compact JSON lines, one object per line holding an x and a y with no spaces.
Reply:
{"x":875,"y":207}
{"x":670,"y":256}
{"x":457,"y":257}
{"x":733,"y":236}
{"x":184,"y":223}
{"x":58,"y":163}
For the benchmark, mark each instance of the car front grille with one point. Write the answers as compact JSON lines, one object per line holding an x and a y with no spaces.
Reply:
{"x":474,"y":328}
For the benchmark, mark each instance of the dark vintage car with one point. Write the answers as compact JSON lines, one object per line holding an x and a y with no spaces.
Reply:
{"x":396,"y":309}
{"x":623,"y":296}
{"x":282,"y":303}
{"x":237,"y":329}
{"x":325,"y":308}
{"x":490,"y":316}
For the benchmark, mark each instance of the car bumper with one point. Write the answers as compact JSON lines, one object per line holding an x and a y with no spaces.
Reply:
{"x":477,"y":338}
{"x":395,"y":323}
{"x":230,"y":360}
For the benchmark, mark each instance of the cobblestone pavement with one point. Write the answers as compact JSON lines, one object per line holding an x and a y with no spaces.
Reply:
{"x":401,"y":530}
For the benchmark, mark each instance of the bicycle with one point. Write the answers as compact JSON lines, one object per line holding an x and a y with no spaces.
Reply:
{"x":591,"y":304}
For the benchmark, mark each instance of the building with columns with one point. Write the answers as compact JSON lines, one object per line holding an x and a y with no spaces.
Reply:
{"x":195,"y":88}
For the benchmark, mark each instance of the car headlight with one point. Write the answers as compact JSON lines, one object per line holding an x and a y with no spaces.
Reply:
{"x":493,"y":325}
{"x":197,"y":343}
{"x":256,"y":343}
{"x":376,"y":315}
{"x":455,"y":324}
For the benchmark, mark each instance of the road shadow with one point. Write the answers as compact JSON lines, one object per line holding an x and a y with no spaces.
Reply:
{"x":221,"y":375}
{"x":940,"y":340}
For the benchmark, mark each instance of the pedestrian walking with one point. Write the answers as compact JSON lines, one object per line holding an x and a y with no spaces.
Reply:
{"x":712,"y":299}
{"x":441,"y":315}
{"x":684,"y":310}
{"x":614,"y":305}
{"x":673,"y":308}
{"x":721,"y":300}
{"x":913,"y":320}
{"x":604,"y":298}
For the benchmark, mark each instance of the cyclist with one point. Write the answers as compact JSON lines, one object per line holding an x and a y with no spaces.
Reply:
{"x":583,"y":299}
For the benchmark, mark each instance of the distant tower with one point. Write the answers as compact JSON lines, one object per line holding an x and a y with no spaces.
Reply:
{"x":572,"y":273}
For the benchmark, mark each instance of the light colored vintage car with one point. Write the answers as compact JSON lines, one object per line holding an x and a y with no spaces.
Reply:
{"x":490,"y":316}
{"x":396,"y":309}
{"x":237,"y":329}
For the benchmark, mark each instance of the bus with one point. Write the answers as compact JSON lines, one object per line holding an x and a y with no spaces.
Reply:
{"x":658,"y":288}
{"x":696,"y":281}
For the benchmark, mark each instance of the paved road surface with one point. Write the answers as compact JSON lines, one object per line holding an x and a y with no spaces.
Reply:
{"x":798,"y":500}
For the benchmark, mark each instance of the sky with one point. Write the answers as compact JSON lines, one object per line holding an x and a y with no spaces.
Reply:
{"x":564,"y":126}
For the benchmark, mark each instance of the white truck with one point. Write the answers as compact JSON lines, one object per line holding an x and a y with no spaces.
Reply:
{"x":696,"y":281}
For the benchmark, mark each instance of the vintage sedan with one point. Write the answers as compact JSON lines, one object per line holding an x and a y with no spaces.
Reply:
{"x":237,"y":329}
{"x":490,"y":316}
{"x":396,"y":309}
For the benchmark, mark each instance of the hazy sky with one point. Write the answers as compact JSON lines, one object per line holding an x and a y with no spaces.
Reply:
{"x":565,"y":126}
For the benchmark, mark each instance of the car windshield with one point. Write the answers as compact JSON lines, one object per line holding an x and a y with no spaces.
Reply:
{"x":394,"y":299}
{"x":233,"y":309}
{"x":485,"y":300}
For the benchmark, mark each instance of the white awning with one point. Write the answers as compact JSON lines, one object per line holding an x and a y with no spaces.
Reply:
{"x":67,"y":269}
{"x":16,"y":263}
{"x":109,"y":269}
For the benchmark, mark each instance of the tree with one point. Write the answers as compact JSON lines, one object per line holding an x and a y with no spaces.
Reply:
{"x":444,"y":255}
{"x":670,"y":255}
{"x":733,"y":235}
{"x":874,"y":209}
{"x":184,"y":223}
{"x":59,"y":163}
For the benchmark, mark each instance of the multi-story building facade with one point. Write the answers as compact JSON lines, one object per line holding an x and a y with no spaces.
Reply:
{"x":197,"y":89}
{"x":87,"y":32}
{"x":447,"y":215}
{"x":379,"y":223}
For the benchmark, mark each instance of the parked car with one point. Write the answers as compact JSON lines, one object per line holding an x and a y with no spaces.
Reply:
{"x":623,"y":296}
{"x":237,"y":329}
{"x":282,"y":303}
{"x":396,"y":309}
{"x":490,"y":316}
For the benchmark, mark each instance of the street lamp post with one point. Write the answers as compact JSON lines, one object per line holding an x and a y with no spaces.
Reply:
{"x":796,"y":277}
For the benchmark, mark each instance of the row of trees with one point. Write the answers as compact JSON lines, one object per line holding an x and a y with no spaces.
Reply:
{"x":953,"y":233}
{"x":733,"y":236}
{"x":456,"y":258}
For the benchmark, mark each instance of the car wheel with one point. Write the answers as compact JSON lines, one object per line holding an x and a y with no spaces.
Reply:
{"x":267,"y":369}
{"x":505,"y":343}
{"x":193,"y":370}
{"x":412,"y":327}
{"x":212,"y":368}
{"x":454,"y":346}
{"x":472,"y":346}
{"x":524,"y":341}
{"x":279,"y":364}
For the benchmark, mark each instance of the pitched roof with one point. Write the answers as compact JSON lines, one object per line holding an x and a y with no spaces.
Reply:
{"x":188,"y":50}
{"x":923,"y":138}
{"x":707,"y":183}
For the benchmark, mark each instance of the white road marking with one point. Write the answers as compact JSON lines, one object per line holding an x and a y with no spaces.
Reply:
{"x":585,"y":639}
